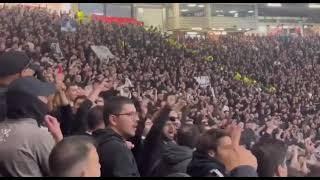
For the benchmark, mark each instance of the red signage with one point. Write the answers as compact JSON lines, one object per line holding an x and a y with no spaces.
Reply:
{"x":117,"y":20}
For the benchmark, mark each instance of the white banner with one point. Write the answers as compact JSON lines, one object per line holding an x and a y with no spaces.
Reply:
{"x":203,"y":81}
{"x":102,"y":52}
{"x":55,"y":49}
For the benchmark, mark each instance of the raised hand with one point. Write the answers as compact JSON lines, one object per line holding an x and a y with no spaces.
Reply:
{"x":54,"y":127}
{"x":179,"y":105}
{"x":129,"y":145}
{"x":235,"y":155}
{"x":105,"y":85}
{"x":60,"y":86}
{"x":171,"y":100}
{"x":58,"y":75}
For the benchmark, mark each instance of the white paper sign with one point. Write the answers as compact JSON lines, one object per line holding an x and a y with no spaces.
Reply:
{"x":55,"y":48}
{"x":102,"y":52}
{"x":203,"y":81}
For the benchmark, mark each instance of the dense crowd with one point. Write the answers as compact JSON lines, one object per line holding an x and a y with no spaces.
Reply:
{"x":143,"y":113}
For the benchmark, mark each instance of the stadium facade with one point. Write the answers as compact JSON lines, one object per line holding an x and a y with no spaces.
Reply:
{"x":196,"y":19}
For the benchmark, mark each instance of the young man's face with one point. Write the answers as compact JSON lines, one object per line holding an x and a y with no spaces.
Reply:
{"x":126,"y":121}
{"x":169,"y":130}
{"x":72,"y":92}
{"x":224,"y":141}
{"x":77,"y":104}
{"x":174,"y":117}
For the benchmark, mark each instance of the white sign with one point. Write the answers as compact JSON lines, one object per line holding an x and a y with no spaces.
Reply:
{"x":203,"y":81}
{"x":102,"y":52}
{"x":55,"y":49}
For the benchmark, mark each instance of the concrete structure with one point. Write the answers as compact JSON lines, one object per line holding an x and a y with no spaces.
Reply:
{"x":152,"y":14}
{"x":53,"y":6}
{"x":201,"y":18}
{"x":260,"y":18}
{"x":186,"y":17}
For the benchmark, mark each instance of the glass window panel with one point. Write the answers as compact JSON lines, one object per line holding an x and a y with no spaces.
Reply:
{"x":91,"y":8}
{"x":119,"y":10}
{"x":192,"y":9}
{"x":232,"y":10}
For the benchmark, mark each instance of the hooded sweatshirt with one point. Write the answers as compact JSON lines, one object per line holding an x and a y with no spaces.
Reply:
{"x":202,"y":165}
{"x":175,"y":159}
{"x":115,"y":158}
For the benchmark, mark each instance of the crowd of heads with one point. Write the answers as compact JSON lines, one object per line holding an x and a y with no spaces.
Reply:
{"x":148,"y":74}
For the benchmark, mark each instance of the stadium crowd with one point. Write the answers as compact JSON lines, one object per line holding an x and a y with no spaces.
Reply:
{"x":143,"y":113}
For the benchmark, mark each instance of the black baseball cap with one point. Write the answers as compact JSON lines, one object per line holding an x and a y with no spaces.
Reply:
{"x":32,"y":86}
{"x":13,"y":62}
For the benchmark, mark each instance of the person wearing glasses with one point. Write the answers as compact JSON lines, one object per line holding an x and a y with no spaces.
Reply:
{"x":121,"y":120}
{"x":162,"y":133}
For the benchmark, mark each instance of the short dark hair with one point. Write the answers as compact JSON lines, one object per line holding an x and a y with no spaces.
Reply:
{"x":69,"y":152}
{"x":209,"y":140}
{"x":95,"y":117}
{"x":188,"y":135}
{"x":114,"y":106}
{"x":270,"y":153}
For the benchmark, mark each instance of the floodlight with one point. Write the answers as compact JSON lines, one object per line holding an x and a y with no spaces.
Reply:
{"x":192,"y":5}
{"x":274,"y":4}
{"x":314,"y":5}
{"x":197,"y":28}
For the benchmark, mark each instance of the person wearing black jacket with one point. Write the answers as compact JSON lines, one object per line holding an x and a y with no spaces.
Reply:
{"x":218,"y":155}
{"x":95,"y":119}
{"x":176,"y":157}
{"x":158,"y":137}
{"x":64,"y":112}
{"x":121,"y":119}
{"x":81,"y":126}
{"x":271,"y":157}
{"x":137,"y":139}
